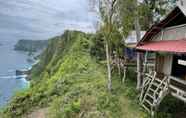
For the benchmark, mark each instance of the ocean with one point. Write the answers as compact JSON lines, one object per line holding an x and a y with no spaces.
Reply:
{"x":36,"y":19}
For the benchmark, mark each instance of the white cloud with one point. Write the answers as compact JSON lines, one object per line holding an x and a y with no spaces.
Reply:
{"x":47,"y":17}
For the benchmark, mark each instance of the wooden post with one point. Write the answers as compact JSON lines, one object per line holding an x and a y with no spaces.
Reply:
{"x":139,"y":71}
{"x":145,"y":63}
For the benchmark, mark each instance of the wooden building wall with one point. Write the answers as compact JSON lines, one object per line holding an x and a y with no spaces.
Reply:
{"x":164,"y":65}
{"x":171,"y":33}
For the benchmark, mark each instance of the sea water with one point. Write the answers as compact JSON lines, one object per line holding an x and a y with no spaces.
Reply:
{"x":10,"y":61}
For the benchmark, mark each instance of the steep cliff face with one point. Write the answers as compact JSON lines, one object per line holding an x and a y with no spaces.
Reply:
{"x":70,"y":83}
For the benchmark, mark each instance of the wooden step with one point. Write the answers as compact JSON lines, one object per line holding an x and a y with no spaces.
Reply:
{"x":146,"y":108}
{"x":149,"y":76}
{"x":158,"y":80}
{"x":155,"y":84}
{"x":147,"y":101}
{"x":152,"y":90}
{"x":149,"y":96}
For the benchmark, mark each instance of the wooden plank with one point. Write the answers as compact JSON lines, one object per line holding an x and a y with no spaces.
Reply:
{"x":179,"y":93}
{"x":175,"y":27}
{"x":128,"y":65}
{"x":155,"y":84}
{"x":139,"y":70}
{"x":177,"y":89}
{"x":146,"y":108}
{"x":178,"y":97}
{"x":152,"y":90}
{"x":150,"y":96}
{"x":178,"y":80}
{"x":149,"y":64}
{"x":158,"y":80}
{"x":148,"y":75}
{"x":151,"y":104}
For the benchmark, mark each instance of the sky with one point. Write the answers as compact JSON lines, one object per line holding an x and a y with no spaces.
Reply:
{"x":42,"y":19}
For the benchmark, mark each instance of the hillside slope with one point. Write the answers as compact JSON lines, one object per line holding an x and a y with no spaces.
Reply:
{"x":70,"y":83}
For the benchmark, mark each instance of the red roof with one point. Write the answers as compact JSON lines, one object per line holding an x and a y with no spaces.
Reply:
{"x":175,"y":46}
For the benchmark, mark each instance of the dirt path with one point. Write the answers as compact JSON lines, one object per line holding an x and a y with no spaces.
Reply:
{"x":41,"y":113}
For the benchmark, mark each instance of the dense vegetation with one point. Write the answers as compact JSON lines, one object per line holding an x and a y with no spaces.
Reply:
{"x":30,"y":45}
{"x":71,"y":84}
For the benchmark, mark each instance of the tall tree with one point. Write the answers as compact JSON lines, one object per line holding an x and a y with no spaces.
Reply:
{"x":138,"y":36}
{"x":118,"y":18}
{"x":107,"y":9}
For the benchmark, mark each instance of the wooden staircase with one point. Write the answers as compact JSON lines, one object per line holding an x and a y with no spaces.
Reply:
{"x":153,"y":92}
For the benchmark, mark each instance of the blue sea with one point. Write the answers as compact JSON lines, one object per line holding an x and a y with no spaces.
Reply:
{"x":11,"y":60}
{"x":36,"y":19}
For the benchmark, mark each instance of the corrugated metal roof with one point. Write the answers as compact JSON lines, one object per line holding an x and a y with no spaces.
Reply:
{"x":173,"y":46}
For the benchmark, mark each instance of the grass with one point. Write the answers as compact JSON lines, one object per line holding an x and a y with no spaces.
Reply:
{"x":91,"y":99}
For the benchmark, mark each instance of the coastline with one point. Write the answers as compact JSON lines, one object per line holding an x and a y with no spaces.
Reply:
{"x":21,"y":81}
{"x":25,"y":73}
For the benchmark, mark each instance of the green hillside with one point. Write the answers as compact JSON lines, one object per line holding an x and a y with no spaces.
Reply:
{"x":71,"y":83}
{"x":30,"y":45}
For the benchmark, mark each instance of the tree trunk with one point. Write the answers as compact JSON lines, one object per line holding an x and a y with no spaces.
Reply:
{"x":108,"y":66}
{"x":119,"y":68}
{"x":138,"y":36}
{"x":138,"y":71}
{"x":124,"y":74}
{"x":118,"y":63}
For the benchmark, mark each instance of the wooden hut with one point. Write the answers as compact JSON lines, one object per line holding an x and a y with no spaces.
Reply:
{"x":166,"y":42}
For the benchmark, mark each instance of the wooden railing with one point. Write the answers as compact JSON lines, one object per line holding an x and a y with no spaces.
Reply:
{"x":177,"y":91}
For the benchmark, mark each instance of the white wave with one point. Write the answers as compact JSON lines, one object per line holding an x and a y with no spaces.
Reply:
{"x":13,"y":77}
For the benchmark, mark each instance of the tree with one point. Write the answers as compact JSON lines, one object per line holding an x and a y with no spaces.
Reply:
{"x":118,"y":18}
{"x":152,"y":11}
{"x":107,"y":10}
{"x":138,"y":36}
